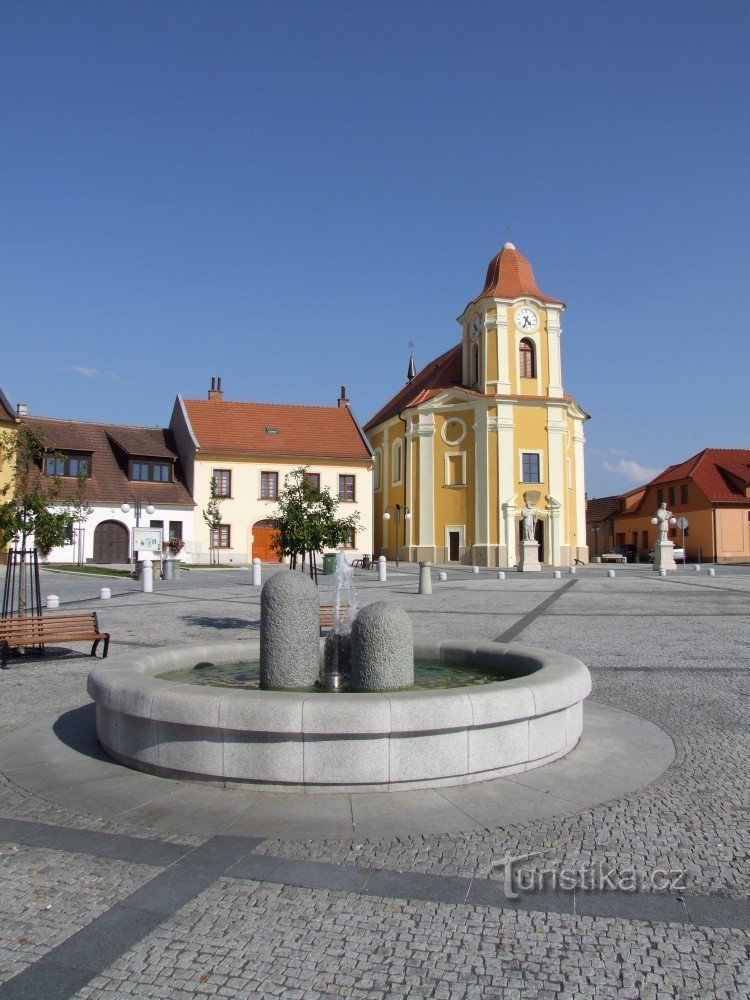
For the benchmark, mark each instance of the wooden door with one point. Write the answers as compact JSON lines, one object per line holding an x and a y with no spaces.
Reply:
{"x":263,"y":536}
{"x":111,"y":543}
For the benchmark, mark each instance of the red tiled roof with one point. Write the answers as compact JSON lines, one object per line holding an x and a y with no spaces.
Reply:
{"x":509,"y":276}
{"x":5,"y":407}
{"x":598,"y":509}
{"x":437,"y":376}
{"x":108,"y":482}
{"x":715,"y":472}
{"x":221,"y":425}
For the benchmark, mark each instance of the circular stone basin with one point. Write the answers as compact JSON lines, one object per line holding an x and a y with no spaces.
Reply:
{"x":337,"y":742}
{"x":245,"y":676}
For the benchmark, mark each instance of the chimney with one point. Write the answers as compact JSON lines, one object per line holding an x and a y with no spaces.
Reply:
{"x":342,"y":400}
{"x":22,"y":409}
{"x":215,"y":392}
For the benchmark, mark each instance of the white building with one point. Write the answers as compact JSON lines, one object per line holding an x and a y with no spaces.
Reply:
{"x":247,"y":449}
{"x":133,"y":477}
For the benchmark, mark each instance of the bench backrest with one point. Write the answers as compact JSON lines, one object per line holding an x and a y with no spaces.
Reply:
{"x":65,"y":624}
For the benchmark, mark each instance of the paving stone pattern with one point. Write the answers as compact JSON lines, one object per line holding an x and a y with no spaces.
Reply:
{"x":675,"y":651}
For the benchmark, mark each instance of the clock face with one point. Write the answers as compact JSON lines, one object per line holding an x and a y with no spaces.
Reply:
{"x":526,"y":320}
{"x":474,"y":326}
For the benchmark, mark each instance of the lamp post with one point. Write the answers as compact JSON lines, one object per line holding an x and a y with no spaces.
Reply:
{"x":596,"y":528}
{"x":137,"y":511}
{"x":397,"y":511}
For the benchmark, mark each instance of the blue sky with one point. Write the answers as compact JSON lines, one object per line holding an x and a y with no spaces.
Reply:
{"x":285,"y":194}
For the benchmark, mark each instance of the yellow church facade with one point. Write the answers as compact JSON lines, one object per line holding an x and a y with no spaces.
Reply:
{"x":482,"y":430}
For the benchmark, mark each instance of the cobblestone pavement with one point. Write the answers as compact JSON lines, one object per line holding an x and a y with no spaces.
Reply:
{"x":675,"y":651}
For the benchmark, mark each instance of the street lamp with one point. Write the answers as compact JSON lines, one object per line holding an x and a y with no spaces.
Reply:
{"x":397,"y":509}
{"x":596,"y":529}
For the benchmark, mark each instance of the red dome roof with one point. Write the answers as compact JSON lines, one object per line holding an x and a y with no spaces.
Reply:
{"x":509,"y":276}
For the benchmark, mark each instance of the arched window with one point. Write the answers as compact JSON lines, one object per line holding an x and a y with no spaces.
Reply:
{"x":526,"y":359}
{"x":475,"y":373}
{"x":377,"y":461}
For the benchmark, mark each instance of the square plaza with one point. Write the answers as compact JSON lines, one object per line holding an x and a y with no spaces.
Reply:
{"x":630,"y":853}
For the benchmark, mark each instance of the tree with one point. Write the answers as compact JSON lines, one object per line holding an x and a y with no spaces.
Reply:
{"x":28,"y":511}
{"x":80,"y":512}
{"x":306,"y":521}
{"x":212,"y":517}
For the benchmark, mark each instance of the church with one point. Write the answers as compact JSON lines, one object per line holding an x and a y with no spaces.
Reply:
{"x":482,"y":430}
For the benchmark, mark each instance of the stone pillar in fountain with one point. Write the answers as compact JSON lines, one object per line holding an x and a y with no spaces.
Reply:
{"x":289,"y":631}
{"x":382,"y":652}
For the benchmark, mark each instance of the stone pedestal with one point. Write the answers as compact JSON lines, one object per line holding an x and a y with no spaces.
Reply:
{"x":289,"y":631}
{"x":528,"y":561}
{"x":664,"y":556}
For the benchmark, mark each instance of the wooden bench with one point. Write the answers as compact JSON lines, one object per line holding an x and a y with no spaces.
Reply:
{"x":38,"y":630}
{"x":325,"y":616}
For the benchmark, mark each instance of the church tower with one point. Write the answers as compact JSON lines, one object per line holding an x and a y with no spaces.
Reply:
{"x":481,"y":430}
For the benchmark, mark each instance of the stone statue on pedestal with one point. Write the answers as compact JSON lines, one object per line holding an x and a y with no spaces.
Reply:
{"x":528,"y":515}
{"x":529,"y":555}
{"x":661,"y":520}
{"x":663,"y":549}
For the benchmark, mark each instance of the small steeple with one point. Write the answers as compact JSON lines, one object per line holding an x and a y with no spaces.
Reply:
{"x":412,"y":370}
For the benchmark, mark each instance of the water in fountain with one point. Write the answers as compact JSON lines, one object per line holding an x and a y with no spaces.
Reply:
{"x":337,"y":659}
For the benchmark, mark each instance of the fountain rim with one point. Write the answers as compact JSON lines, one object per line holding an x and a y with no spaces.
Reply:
{"x":545,"y":681}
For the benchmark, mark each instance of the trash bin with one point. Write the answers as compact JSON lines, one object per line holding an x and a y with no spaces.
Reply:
{"x":329,"y":563}
{"x":167,"y":569}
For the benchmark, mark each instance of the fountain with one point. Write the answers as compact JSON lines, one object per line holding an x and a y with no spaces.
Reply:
{"x":362,"y":724}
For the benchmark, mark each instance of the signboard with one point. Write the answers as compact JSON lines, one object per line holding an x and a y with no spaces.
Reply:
{"x":682,"y":522}
{"x":147,"y":540}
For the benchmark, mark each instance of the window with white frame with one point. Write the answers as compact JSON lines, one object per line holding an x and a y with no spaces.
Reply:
{"x":377,"y":461}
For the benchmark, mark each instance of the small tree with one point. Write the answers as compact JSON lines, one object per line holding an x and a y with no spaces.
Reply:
{"x":212,"y":517}
{"x":80,"y":513}
{"x":306,"y":521}
{"x":31,"y":497}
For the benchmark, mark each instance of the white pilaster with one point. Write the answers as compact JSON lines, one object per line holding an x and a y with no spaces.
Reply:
{"x":554,"y":332}
{"x":580,"y":515}
{"x":506,"y":475}
{"x":502,"y":344}
{"x":557,"y":430}
{"x":425,"y":431}
{"x":481,"y":484}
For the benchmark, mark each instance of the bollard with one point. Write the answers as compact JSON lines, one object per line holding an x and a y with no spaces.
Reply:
{"x":381,"y":569}
{"x":425,"y":578}
{"x":105,"y":593}
{"x":147,"y":575}
{"x":610,"y":572}
{"x":662,"y":571}
{"x":572,"y":570}
{"x":442,"y":576}
{"x":256,"y":572}
{"x":475,"y":569}
{"x":53,"y":601}
{"x":697,"y":568}
{"x":557,"y":574}
{"x":501,"y":575}
{"x":711,"y":571}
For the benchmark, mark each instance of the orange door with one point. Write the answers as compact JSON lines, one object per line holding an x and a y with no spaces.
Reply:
{"x":263,"y":536}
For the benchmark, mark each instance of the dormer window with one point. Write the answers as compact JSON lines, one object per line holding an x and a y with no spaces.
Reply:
{"x":526,"y":359}
{"x":67,"y":465}
{"x":150,"y":472}
{"x":272,"y":430}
